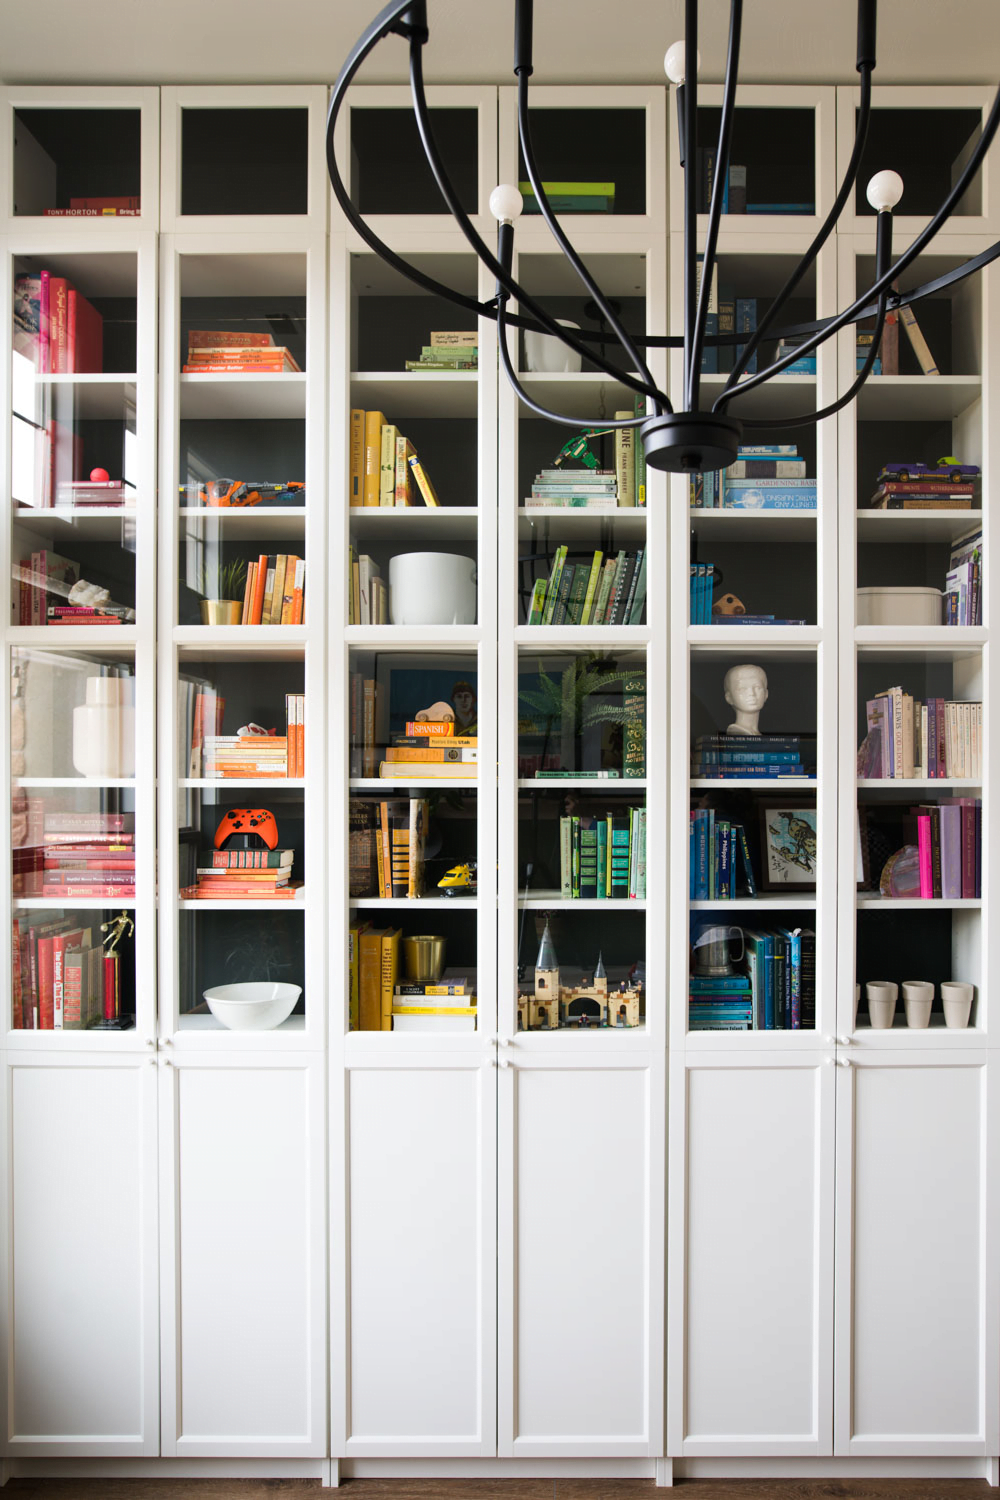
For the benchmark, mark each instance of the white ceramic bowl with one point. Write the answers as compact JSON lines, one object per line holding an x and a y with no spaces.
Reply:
{"x":252,"y":1007}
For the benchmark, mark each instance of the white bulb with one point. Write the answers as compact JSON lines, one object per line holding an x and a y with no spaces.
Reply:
{"x":675,"y":62}
{"x":506,"y":202}
{"x":885,"y":190}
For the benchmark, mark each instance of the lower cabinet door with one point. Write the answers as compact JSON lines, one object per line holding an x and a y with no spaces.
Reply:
{"x":242,"y":1246}
{"x":79,"y":1207}
{"x":750,"y":1253}
{"x":917,"y":1255}
{"x":580,"y":1258}
{"x":413,"y":1240}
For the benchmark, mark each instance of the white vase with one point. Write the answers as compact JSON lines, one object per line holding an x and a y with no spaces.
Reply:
{"x":547,"y":355}
{"x":918,"y":997}
{"x":104,"y":729}
{"x":432,"y":588}
{"x":956,"y":1000}
{"x":882,"y":996}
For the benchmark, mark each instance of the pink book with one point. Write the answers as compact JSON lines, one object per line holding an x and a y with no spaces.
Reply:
{"x":58,"y":324}
{"x":85,"y":340}
{"x":44,"y":354}
{"x":924,"y":856}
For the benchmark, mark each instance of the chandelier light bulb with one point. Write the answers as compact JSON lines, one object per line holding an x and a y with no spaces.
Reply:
{"x":885,"y":190}
{"x":674,"y":62}
{"x":506,"y":202}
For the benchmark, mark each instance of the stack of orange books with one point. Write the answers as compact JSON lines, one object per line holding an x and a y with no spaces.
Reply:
{"x":219,"y":352}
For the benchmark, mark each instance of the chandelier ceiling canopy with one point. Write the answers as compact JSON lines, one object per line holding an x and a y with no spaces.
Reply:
{"x":697,"y":436}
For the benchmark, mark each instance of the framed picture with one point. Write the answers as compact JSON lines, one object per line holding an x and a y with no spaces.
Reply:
{"x":787,"y":845}
{"x":410,"y":683}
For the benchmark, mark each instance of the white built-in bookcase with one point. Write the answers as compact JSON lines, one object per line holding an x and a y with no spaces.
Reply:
{"x":504,"y":1244}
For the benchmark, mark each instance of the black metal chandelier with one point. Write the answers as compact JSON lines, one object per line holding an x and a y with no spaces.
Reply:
{"x":695,"y":438}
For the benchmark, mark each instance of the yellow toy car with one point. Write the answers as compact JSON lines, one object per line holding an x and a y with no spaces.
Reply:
{"x":461,"y":878}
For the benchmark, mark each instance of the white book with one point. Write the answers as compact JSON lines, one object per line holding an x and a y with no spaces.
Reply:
{"x":456,"y":1022}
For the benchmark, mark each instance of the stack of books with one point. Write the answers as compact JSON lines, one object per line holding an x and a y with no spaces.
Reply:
{"x":368,"y":598}
{"x":909,"y":738}
{"x":84,"y":494}
{"x":220,"y":352}
{"x":275,"y":590}
{"x":448,"y":351}
{"x":717,"y":849}
{"x":124,"y":206}
{"x":573,"y":489}
{"x":571,"y":197}
{"x":764,"y":757}
{"x":385,"y":471}
{"x":431,"y":749}
{"x":963,"y":599}
{"x":87,"y":854}
{"x":892,"y":492}
{"x":778,"y":464}
{"x":386,"y":848}
{"x":60,"y":974}
{"x":724,"y":1003}
{"x":447,"y":1006}
{"x":599,"y":591}
{"x":44,"y":581}
{"x":243,"y":875}
{"x":238,"y":757}
{"x":603,"y":858}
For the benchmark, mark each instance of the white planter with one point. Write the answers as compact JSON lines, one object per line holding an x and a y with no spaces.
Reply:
{"x":882,"y":996}
{"x":432,"y":588}
{"x":899,"y":606}
{"x":547,"y":355}
{"x":918,"y":997}
{"x":956,"y":997}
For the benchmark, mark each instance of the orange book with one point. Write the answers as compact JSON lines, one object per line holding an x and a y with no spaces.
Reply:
{"x":270,"y":367}
{"x":248,"y":593}
{"x":300,"y":735}
{"x":288,"y":591}
{"x":257,"y":607}
{"x":298,"y":593}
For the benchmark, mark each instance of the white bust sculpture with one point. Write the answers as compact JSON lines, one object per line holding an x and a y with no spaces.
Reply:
{"x":745,"y":688}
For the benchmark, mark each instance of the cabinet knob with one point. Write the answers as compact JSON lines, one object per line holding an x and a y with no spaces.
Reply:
{"x":502,"y":1041}
{"x":502,"y":1062}
{"x":845,"y":1041}
{"x":845,"y":1062}
{"x":166,"y":1042}
{"x":150,"y":1042}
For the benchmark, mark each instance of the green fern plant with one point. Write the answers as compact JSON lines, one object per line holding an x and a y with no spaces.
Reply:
{"x":579,"y":692}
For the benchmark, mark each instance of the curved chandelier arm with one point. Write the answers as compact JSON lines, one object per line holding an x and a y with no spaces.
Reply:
{"x":601,"y":425}
{"x":693,"y":372}
{"x":883,"y":282}
{"x":846,"y":187}
{"x":562,"y":240}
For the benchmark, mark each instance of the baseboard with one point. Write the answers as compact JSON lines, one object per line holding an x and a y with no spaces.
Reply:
{"x":830,"y":1468}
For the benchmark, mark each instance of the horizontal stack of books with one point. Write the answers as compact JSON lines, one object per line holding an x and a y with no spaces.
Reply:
{"x":275,"y":590}
{"x":124,"y":206}
{"x":61,"y":975}
{"x":368,"y":598}
{"x":763,"y":757}
{"x":603,"y":858}
{"x":719,"y":866}
{"x":909,"y":738}
{"x":599,"y":591}
{"x":385,"y":470}
{"x":573,"y":489}
{"x":81,"y":854}
{"x":214,"y":351}
{"x":767,"y":476}
{"x":447,"y":1006}
{"x":86,"y":494}
{"x":448,"y":351}
{"x":243,"y":875}
{"x":416,"y":755}
{"x":237,"y":757}
{"x":571,"y":197}
{"x":963,"y":599}
{"x":386,"y":847}
{"x":722,"y":1003}
{"x":893,"y":491}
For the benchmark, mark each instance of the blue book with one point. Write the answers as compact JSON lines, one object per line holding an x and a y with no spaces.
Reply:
{"x":722,"y":831}
{"x":748,"y":757}
{"x":793,"y":941}
{"x":755,"y":773}
{"x":757,"y":498}
{"x":718,"y":983}
{"x":744,"y":848}
{"x":746,"y":322}
{"x":710,"y":352}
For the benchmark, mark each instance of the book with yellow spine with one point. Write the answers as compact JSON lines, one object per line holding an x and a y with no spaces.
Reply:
{"x":356,"y":485}
{"x":424,"y":485}
{"x":588,"y":600}
{"x":403,"y":495}
{"x":390,"y":973}
{"x":387,"y":466}
{"x":374,"y":422}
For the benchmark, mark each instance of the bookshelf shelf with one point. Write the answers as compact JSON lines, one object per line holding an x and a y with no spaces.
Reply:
{"x":753,"y":525}
{"x":249,"y":521}
{"x":235,"y":783}
{"x":98,"y":523}
{"x":453,"y":522}
{"x":241,"y":642}
{"x":81,"y":903}
{"x":764,"y":784}
{"x":105,"y":782}
{"x":207,"y":904}
{"x":899,"y":903}
{"x":917,"y":398}
{"x":437,"y":393}
{"x":594,"y":784}
{"x":770,"y":638}
{"x":626,"y":525}
{"x":553,"y":901}
{"x":903,"y":785}
{"x":945,"y":642}
{"x":414,"y":637}
{"x":581,"y":637}
{"x":378,"y":784}
{"x":205,"y":1024}
{"x":758,"y":903}
{"x":403,"y":903}
{"x":93,"y":397}
{"x":117,"y":640}
{"x":578,"y":395}
{"x":895,"y":526}
{"x":242,"y":397}
{"x":783,"y":395}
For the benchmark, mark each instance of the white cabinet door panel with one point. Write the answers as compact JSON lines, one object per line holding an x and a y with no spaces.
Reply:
{"x":81,"y":1251}
{"x":244,"y":1234}
{"x":750,"y":1305}
{"x":420,"y":1311}
{"x":916,"y":1350}
{"x":581,"y":1311}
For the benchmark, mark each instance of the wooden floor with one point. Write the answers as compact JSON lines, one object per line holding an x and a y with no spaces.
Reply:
{"x":495,"y":1489}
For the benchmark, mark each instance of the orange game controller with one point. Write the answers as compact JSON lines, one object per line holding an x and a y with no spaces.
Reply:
{"x":248,"y":820}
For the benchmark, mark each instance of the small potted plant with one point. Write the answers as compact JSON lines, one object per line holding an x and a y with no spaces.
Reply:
{"x":223,"y":584}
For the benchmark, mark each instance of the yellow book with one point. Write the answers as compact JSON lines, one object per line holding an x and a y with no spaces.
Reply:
{"x":424,"y":485}
{"x":588,"y":602}
{"x":265,"y":613}
{"x":354,"y":974}
{"x":451,"y":339}
{"x":387,"y":466}
{"x":390,"y":973}
{"x":404,"y":487}
{"x":435,"y":1010}
{"x":356,"y":483}
{"x":625,"y":461}
{"x":370,"y":978}
{"x":374,"y":422}
{"x":355,"y":592}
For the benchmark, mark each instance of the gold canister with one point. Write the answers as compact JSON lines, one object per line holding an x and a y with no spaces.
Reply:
{"x":221,"y":611}
{"x":423,"y":959}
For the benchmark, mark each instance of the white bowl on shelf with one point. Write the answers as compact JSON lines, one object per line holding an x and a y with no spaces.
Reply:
{"x":258,"y":1006}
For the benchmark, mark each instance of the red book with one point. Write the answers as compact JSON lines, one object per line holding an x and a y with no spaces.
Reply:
{"x":61,"y":944}
{"x":127,"y":200}
{"x":217,"y":338}
{"x":924,"y":856}
{"x":85,"y":892}
{"x":45,"y":1016}
{"x":269,"y":367}
{"x":58,"y":324}
{"x":85,"y":343}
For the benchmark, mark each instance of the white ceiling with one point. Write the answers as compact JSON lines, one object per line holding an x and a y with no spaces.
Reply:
{"x":303,"y":41}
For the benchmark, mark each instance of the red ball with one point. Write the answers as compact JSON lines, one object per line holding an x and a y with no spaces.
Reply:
{"x":99,"y":475}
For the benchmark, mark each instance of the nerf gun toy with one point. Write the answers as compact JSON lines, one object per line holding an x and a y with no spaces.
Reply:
{"x":239,"y":492}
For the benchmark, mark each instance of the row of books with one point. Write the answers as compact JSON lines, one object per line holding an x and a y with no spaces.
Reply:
{"x":909,"y":738}
{"x":386,"y":842}
{"x":122,"y":206}
{"x":216,"y":351}
{"x":62,"y":979}
{"x":380,"y":1000}
{"x":601,"y":591}
{"x":570,"y":197}
{"x":55,"y":327}
{"x":275,"y":590}
{"x":448,"y":350}
{"x":385,"y":470}
{"x":603,"y":858}
{"x":44,"y":581}
{"x":948,"y":837}
{"x":368,"y":592}
{"x":727,"y":315}
{"x":67,"y":854}
{"x":701,"y":578}
{"x":243,"y":875}
{"x":777,"y":992}
{"x":963,"y":586}
{"x":719,"y":865}
{"x":759,"y":756}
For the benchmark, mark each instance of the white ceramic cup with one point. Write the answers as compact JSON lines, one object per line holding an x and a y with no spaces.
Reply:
{"x":956,"y":997}
{"x":547,"y":355}
{"x":432,"y":588}
{"x":857,"y":1001}
{"x":882,"y":996}
{"x":918,"y":997}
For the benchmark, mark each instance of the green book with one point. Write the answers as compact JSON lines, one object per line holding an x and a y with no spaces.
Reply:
{"x":577,"y":594}
{"x":639,"y":407}
{"x":575,"y":822}
{"x":558,"y":563}
{"x":603,"y":593}
{"x":562,"y":602}
{"x":621,"y":562}
{"x":602,"y":858}
{"x":592,"y":584}
{"x":566,"y":858}
{"x":588,"y":864}
{"x":634,"y":736}
{"x":537,"y":602}
{"x":450,"y":355}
